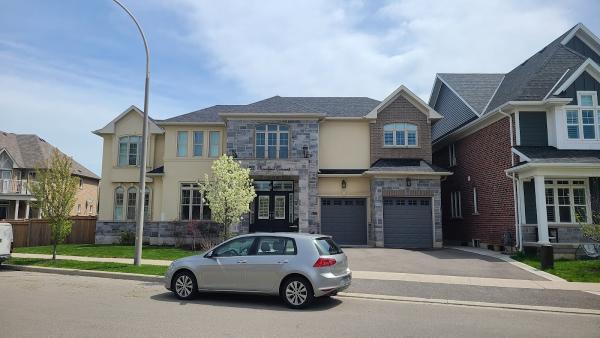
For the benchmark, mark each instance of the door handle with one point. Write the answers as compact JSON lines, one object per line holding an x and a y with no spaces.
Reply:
{"x":283,"y":261}
{"x":243,"y":261}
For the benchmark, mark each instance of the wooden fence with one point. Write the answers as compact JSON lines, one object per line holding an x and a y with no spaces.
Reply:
{"x":35,"y":232}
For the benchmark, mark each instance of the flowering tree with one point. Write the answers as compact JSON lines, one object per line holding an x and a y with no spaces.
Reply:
{"x":54,"y":190}
{"x":592,"y":230}
{"x":229,"y":191}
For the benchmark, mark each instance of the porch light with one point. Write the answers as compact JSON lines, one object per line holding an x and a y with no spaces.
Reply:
{"x":305,"y":152}
{"x":343,"y":184}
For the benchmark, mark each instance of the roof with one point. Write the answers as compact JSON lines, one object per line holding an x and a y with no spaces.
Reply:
{"x":411,"y":97}
{"x":476,"y":89}
{"x":456,"y":112}
{"x":30,"y":151}
{"x":415,"y":165}
{"x":110,"y":127}
{"x":554,"y":155}
{"x":158,"y":170}
{"x":327,"y":106}
{"x":341,"y":171}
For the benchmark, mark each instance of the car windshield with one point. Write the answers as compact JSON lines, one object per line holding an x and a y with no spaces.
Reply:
{"x":326,"y":246}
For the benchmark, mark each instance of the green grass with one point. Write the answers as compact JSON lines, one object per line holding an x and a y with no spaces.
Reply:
{"x":109,"y":250}
{"x":95,"y":266}
{"x":571,"y":270}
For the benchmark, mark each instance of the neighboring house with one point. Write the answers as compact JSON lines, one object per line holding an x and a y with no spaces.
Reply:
{"x":524,"y":147}
{"x":351,"y":167}
{"x":20,"y":155}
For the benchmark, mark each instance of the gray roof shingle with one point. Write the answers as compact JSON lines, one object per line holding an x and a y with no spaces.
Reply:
{"x":475,"y":88}
{"x":330,"y":106}
{"x":554,"y":155}
{"x":416,"y":165}
{"x":30,"y":151}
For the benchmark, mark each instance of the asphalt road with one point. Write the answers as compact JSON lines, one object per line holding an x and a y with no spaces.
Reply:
{"x":36,"y":304}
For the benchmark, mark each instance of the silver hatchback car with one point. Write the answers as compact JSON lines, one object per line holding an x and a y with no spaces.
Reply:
{"x":296,"y":266}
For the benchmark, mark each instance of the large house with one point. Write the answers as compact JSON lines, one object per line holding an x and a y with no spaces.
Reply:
{"x":352,"y":167}
{"x":524,"y":148}
{"x":20,"y":155}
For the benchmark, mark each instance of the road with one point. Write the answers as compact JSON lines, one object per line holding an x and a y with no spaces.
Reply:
{"x":38,"y":304}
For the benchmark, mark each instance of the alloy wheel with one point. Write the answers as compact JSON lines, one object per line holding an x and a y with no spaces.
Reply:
{"x":296,"y":293}
{"x":184,"y":286}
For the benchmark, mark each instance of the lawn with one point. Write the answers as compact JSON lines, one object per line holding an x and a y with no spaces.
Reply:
{"x":109,"y":250}
{"x":95,"y":266}
{"x":571,"y":270}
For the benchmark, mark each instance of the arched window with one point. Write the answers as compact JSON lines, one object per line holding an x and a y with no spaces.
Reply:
{"x":147,"y":203}
{"x":131,"y":202}
{"x":400,"y":135}
{"x":272,"y":141}
{"x":119,"y":198}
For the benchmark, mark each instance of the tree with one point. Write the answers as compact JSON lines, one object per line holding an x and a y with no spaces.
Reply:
{"x":592,"y":230}
{"x":54,"y":190}
{"x":229,"y":191}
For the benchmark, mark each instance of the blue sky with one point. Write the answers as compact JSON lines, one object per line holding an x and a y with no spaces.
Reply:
{"x":68,"y":67}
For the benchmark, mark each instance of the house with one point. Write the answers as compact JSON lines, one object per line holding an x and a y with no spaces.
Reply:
{"x":524,"y":148}
{"x":352,"y":167}
{"x":20,"y":155}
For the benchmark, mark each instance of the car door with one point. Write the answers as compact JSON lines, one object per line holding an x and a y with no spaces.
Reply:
{"x":225,"y":267}
{"x":266,"y":267}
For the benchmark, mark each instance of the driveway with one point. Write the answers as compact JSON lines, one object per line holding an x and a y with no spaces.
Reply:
{"x":445,"y":261}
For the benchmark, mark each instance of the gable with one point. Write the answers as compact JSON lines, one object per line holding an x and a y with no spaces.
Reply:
{"x":456,"y":113}
{"x":414,"y":100}
{"x":153,"y":128}
{"x":582,"y":48}
{"x":585,"y":82}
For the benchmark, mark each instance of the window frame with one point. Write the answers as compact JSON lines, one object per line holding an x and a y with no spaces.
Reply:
{"x":395,"y":129}
{"x":198,"y":144}
{"x":210,"y":143}
{"x":475,"y":202}
{"x":127,"y":154}
{"x":580,"y":109}
{"x":286,"y":241}
{"x":452,"y":155}
{"x":181,"y":148}
{"x":265,"y":137}
{"x":192,"y":187}
{"x":571,"y":186}
{"x":456,"y":205}
{"x":129,"y":206}
{"x":251,"y":250}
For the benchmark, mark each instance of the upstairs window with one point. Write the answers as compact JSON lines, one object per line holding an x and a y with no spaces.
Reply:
{"x":198,"y":143}
{"x":272,"y":141}
{"x":400,"y":135}
{"x":214,"y":143}
{"x":452,"y":155}
{"x":182,"y":143}
{"x":583,"y":121}
{"x":129,"y":150}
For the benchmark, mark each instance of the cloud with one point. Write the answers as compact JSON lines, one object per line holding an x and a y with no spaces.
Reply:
{"x":357,"y":48}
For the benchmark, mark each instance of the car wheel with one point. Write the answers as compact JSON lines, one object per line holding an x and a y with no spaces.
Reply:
{"x":184,"y":285}
{"x":297,"y":292}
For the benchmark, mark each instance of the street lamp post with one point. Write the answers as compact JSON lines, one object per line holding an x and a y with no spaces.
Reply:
{"x":139,"y":229}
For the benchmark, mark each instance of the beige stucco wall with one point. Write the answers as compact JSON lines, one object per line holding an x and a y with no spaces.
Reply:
{"x":355,"y":187}
{"x":344,"y":144}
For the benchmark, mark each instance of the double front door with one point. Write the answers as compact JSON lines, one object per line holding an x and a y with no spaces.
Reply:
{"x":273,"y":209}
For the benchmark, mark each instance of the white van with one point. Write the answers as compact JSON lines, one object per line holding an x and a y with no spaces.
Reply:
{"x":6,"y":239}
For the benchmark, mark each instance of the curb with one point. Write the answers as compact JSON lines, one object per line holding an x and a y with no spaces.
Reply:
{"x":87,"y":273}
{"x":520,"y":307}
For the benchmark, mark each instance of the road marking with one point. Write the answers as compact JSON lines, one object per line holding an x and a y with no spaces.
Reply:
{"x":505,"y":306}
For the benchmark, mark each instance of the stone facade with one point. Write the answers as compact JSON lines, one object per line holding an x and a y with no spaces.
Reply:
{"x":300,"y":166}
{"x":155,"y":233}
{"x":396,"y":187}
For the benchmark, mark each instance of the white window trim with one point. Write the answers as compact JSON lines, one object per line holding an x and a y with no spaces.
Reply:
{"x":190,"y":186}
{"x":405,"y":145}
{"x":194,"y":144}
{"x":121,"y":217}
{"x":126,"y":203}
{"x":456,"y":205}
{"x":475,"y":202}
{"x":278,"y":133}
{"x":137,"y":157}
{"x":595,"y":108}
{"x":570,"y":186}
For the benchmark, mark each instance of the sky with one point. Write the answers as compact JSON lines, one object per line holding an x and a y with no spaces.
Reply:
{"x":68,"y":67}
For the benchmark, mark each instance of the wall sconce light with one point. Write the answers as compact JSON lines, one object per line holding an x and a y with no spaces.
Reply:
{"x":408,"y":182}
{"x":343,"y":184}
{"x":305,"y":152}
{"x":232,"y":153}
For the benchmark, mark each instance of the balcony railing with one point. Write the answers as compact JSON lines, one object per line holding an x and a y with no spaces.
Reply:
{"x":8,"y":186}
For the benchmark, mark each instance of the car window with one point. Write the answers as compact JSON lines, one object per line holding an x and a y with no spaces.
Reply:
{"x":326,"y":246}
{"x":275,"y":246}
{"x":237,"y":247}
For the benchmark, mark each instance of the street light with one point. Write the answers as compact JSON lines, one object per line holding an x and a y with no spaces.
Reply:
{"x":139,"y":229}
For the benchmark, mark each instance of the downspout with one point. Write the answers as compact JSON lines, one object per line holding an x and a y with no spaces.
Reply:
{"x":514,"y":184}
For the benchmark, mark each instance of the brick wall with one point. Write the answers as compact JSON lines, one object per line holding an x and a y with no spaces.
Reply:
{"x":401,"y":110}
{"x":481,"y":160}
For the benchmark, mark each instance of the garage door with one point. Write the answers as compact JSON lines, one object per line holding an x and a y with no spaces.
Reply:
{"x":345,"y":219}
{"x":407,"y":223}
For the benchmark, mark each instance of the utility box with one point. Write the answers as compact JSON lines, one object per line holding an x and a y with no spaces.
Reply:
{"x":547,"y":256}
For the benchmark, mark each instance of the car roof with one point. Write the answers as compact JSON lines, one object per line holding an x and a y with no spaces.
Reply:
{"x":286,"y":234}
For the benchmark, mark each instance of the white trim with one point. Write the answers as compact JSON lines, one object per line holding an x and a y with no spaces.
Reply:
{"x":343,"y":118}
{"x":153,"y":128}
{"x":159,"y":123}
{"x":271,"y":115}
{"x":406,"y":131}
{"x":588,"y":65}
{"x":409,"y":173}
{"x":432,"y":102}
{"x":411,"y":97}
{"x":548,"y":165}
{"x":457,"y":95}
{"x":14,"y":163}
{"x":340,"y":175}
{"x":557,"y":82}
{"x":585,"y":35}
{"x":521,"y":155}
{"x":517,"y":127}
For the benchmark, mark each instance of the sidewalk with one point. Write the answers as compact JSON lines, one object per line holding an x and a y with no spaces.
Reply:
{"x":555,"y":283}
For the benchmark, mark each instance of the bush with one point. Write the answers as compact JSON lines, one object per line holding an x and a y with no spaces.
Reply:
{"x":127,"y":237}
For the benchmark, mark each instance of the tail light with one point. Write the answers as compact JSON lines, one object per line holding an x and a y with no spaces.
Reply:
{"x":323,"y":262}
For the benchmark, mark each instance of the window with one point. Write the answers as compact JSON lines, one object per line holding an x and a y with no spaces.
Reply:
{"x":192,"y":206}
{"x":452,"y":155}
{"x":214,"y":143}
{"x":235,"y":247}
{"x":279,"y":207}
{"x":182,"y":143}
{"x":131,"y":203}
{"x":147,"y":203}
{"x":198,"y":143}
{"x":119,"y":199}
{"x":80,"y":183}
{"x":456,"y":211}
{"x":475,"y":205}
{"x":400,"y":135}
{"x":129,"y":150}
{"x":566,"y":201}
{"x":326,"y":246}
{"x":583,"y":121}
{"x":263,"y":207}
{"x":272,"y":141}
{"x":275,"y":246}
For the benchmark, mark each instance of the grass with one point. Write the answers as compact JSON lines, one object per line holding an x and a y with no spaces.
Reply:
{"x":571,"y":270}
{"x":94,"y":266}
{"x":109,"y":250}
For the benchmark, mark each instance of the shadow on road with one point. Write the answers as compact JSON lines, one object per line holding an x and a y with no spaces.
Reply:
{"x":261,"y":302}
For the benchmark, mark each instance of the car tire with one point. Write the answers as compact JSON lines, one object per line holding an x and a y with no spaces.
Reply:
{"x":297,"y":292}
{"x":184,"y":285}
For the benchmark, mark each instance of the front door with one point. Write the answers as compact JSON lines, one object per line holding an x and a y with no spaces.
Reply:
{"x":273,"y":207}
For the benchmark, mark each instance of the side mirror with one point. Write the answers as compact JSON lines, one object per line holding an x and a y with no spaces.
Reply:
{"x":209,"y":254}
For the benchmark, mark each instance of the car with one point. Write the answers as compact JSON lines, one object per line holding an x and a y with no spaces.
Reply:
{"x":6,"y":240}
{"x":297,"y":267}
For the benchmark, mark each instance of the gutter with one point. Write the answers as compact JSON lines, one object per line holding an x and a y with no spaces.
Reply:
{"x":549,"y":165}
{"x":518,"y":232}
{"x":413,"y":173}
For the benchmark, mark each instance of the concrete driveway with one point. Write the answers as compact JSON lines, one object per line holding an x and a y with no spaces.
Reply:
{"x":445,"y":261}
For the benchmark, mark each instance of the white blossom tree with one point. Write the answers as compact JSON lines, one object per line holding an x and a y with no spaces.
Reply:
{"x":229,"y":192}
